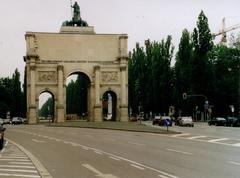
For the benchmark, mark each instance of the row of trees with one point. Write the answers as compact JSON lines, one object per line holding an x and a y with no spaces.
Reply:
{"x":12,"y":98}
{"x":202,"y":70}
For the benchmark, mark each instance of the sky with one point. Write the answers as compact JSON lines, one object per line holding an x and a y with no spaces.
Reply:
{"x":140,"y":19}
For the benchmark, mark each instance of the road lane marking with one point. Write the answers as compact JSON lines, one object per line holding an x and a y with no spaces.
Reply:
{"x":136,"y":166}
{"x":38,"y":141}
{"x":17,"y":166}
{"x":236,"y":144}
{"x":235,"y":163}
{"x":217,"y":140}
{"x":135,"y":143}
{"x":21,"y":163}
{"x":18,"y":170}
{"x":10,"y":159}
{"x":97,"y":172}
{"x":162,"y":176}
{"x":178,"y":151}
{"x":196,"y":137}
{"x":19,"y":175}
{"x":114,"y":158}
{"x":98,"y":152}
{"x":16,"y":157}
{"x":179,"y":135}
{"x":166,"y":174}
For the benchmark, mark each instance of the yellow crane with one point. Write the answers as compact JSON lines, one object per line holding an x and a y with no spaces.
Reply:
{"x":224,"y":31}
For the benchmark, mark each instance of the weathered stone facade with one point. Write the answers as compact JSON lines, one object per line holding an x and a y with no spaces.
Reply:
{"x":52,"y":57}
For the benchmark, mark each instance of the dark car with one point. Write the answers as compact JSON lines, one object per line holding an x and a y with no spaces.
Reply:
{"x":165,"y":121}
{"x":218,"y":121}
{"x":156,"y":120}
{"x":2,"y":129}
{"x":231,"y":121}
{"x":236,"y":122}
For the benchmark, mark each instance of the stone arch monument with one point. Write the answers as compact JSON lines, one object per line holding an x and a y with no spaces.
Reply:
{"x":52,"y":57}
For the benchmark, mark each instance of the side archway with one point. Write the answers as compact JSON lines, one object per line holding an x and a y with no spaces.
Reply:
{"x":46,"y":107}
{"x":109,"y":106}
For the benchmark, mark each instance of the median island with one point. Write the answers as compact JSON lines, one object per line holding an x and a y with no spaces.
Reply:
{"x":124,"y":126}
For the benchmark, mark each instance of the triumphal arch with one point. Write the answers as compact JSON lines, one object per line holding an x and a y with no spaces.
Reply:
{"x":52,"y":57}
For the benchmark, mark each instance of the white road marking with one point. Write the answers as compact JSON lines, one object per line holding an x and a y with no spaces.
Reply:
{"x":236,"y":144}
{"x":22,"y":160}
{"x":16,"y":166}
{"x":97,"y":172}
{"x":19,"y":170}
{"x":16,"y":157}
{"x":19,"y":175}
{"x":196,"y":137}
{"x":162,"y":176}
{"x":98,"y":152}
{"x":38,"y":141}
{"x":136,"y":166}
{"x":217,"y":140}
{"x":134,"y":143}
{"x":235,"y":163}
{"x":84,"y":147}
{"x":114,"y":158}
{"x":179,"y":135}
{"x":178,"y":151}
{"x":169,"y":175}
{"x":21,"y":163}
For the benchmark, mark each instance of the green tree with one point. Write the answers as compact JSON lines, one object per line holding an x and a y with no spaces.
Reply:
{"x":202,"y":69}
{"x":183,"y":70}
{"x":227,"y":79}
{"x":17,"y":94}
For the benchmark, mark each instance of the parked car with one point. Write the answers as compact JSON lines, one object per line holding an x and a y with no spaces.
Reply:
{"x":1,"y":121}
{"x":16,"y":120}
{"x":236,"y":123}
{"x":156,"y":120}
{"x":186,"y":121}
{"x":6,"y":121}
{"x":230,"y":121}
{"x":165,"y":121}
{"x":1,"y":136}
{"x":218,"y":121}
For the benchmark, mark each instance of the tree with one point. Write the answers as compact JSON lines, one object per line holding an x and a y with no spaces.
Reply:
{"x":17,"y":94}
{"x":227,"y":79}
{"x":201,"y":70}
{"x":150,"y":77}
{"x":183,"y":70}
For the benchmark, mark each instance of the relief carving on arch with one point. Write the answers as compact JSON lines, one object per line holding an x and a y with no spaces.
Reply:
{"x":108,"y":77}
{"x":47,"y":76}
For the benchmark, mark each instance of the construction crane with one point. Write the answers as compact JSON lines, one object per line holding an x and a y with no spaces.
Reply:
{"x":224,"y":31}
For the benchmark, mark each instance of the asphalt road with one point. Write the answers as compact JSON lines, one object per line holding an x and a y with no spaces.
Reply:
{"x":199,"y":152}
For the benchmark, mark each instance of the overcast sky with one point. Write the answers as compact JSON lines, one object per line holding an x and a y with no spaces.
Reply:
{"x":140,"y":19}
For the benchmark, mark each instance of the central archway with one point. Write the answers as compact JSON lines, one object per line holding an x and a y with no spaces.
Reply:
{"x":77,"y":96}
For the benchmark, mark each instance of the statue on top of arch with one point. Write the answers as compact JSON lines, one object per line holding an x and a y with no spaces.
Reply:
{"x":76,"y":18}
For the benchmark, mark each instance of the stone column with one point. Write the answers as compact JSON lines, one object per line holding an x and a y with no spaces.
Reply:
{"x":97,"y":106}
{"x":32,"y":107}
{"x":124,"y":105}
{"x":60,"y":99}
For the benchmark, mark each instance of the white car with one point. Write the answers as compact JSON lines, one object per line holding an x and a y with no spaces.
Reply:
{"x":186,"y":121}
